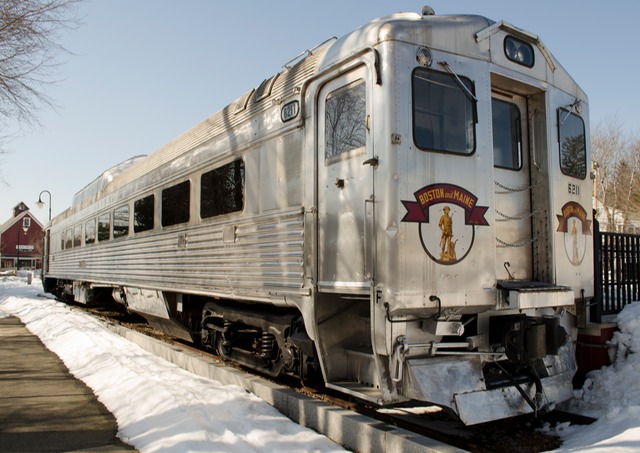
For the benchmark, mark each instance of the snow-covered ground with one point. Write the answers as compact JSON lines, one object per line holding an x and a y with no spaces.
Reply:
{"x":160,"y":407}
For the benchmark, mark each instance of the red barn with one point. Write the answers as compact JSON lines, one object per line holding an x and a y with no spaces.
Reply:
{"x":21,"y":240}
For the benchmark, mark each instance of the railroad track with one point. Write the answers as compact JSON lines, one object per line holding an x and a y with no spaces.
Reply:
{"x":522,"y":434}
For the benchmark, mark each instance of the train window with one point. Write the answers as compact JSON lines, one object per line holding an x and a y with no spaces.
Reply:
{"x":443,"y":112}
{"x":90,"y":231}
{"x":573,"y":151}
{"x":143,"y":211}
{"x":507,"y":139}
{"x":175,"y":204}
{"x":68,"y":242}
{"x":104,"y":227}
{"x":121,"y":221}
{"x":77,"y":236}
{"x":222,"y":190}
{"x":345,"y":126}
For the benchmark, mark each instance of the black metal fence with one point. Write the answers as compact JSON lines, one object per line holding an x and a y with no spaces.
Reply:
{"x":617,"y":272}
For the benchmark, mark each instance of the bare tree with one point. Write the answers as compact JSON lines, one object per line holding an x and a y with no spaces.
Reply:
{"x":29,"y":52}
{"x":616,"y":158}
{"x":629,"y":175}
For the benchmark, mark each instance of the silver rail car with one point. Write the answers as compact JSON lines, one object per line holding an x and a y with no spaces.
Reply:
{"x":402,"y":212}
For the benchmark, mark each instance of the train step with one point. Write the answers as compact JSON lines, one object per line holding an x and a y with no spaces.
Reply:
{"x":521,"y":294}
{"x":360,"y":377}
{"x":359,"y":390}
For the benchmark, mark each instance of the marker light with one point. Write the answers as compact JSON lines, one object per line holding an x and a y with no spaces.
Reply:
{"x":424,"y":57}
{"x":518,"y":51}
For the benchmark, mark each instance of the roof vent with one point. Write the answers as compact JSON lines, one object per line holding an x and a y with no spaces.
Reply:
{"x":428,"y":11}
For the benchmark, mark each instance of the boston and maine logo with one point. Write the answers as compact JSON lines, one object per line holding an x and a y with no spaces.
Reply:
{"x":447,"y":216}
{"x":575,"y":226}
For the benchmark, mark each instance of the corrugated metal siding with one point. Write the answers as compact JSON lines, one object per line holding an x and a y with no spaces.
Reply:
{"x":267,"y":256}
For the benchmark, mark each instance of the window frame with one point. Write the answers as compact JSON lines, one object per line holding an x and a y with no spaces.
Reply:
{"x":455,"y":81}
{"x":99,"y":233}
{"x":563,"y":112}
{"x":360,"y":121}
{"x":68,"y":242}
{"x":88,"y":231}
{"x":174,"y":211}
{"x":518,"y":131}
{"x":77,"y":236}
{"x":119,"y":231}
{"x":146,"y":203}
{"x":238,"y":192}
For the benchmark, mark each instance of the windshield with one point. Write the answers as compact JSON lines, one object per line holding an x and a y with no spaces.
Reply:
{"x":573,"y":150}
{"x":443,"y":113}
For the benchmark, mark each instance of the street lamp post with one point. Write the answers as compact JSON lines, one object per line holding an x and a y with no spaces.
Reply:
{"x":40,"y":203}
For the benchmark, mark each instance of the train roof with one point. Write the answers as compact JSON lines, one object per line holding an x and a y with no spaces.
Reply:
{"x":99,"y":184}
{"x":412,"y":28}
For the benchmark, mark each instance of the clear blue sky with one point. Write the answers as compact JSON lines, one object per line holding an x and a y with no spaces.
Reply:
{"x":144,"y":71}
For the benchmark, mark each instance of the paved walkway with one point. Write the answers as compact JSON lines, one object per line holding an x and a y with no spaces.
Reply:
{"x":43,"y":408}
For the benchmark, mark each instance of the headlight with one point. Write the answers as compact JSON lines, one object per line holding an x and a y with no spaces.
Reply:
{"x":518,"y":51}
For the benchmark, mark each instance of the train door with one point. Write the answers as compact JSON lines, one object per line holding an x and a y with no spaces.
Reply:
{"x":345,"y":184}
{"x":512,"y":187}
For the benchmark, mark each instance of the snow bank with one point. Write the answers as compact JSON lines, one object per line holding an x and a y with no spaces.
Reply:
{"x":159,"y":407}
{"x":611,"y":394}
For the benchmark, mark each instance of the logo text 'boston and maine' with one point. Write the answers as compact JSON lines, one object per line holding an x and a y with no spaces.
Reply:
{"x":418,"y":211}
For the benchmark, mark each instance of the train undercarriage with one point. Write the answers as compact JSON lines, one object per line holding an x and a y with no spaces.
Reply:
{"x":273,"y":342}
{"x":532,"y":354}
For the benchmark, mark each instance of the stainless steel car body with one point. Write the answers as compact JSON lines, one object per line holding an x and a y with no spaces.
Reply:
{"x":355,"y":240}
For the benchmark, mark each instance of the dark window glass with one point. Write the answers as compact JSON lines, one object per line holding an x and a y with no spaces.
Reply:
{"x":77,"y":236}
{"x":345,"y":113}
{"x":175,"y":204}
{"x":507,"y":142}
{"x":443,"y":112}
{"x":90,"y":231}
{"x":573,"y":150}
{"x":222,"y":190}
{"x":121,"y":221}
{"x":104,"y":227}
{"x":143,"y":214}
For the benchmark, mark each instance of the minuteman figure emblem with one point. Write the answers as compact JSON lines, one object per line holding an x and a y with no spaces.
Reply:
{"x":448,"y":252}
{"x":459,"y":215}
{"x":575,"y":225}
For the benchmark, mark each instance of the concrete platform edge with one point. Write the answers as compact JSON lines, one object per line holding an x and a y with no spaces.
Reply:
{"x":349,"y":429}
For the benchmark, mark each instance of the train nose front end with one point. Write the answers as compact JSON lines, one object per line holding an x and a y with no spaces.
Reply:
{"x":493,"y":237}
{"x":529,"y":371}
